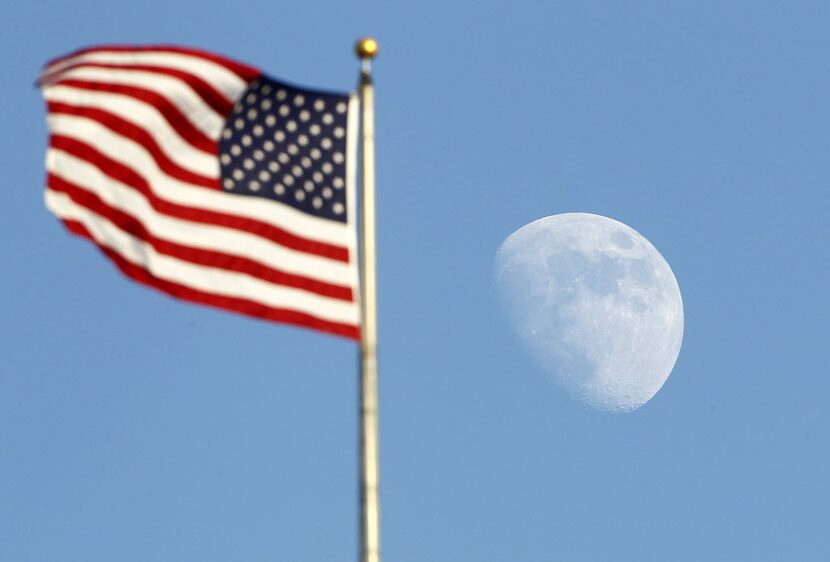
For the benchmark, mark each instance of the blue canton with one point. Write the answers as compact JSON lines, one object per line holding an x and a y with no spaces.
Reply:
{"x":289,"y":145}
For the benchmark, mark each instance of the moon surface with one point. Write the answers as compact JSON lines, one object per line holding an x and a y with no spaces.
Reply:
{"x":596,"y":305}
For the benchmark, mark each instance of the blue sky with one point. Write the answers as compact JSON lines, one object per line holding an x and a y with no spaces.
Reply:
{"x":135,"y":427}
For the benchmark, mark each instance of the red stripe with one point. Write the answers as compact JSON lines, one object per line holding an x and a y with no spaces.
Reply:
{"x":210,"y":95}
{"x":242,"y":306}
{"x":199,"y":256}
{"x":128,"y":176}
{"x":168,"y":110}
{"x":244,"y":71}
{"x":138,"y":134}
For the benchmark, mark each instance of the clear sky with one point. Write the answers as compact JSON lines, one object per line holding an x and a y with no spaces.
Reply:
{"x":137,"y":428}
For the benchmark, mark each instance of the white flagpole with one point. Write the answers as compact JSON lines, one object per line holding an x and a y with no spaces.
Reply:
{"x":367,"y":49}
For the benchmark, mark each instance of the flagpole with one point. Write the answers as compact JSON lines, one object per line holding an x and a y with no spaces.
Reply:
{"x":366,"y":49}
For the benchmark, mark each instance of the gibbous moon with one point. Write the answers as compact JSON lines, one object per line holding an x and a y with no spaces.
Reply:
{"x":596,"y":305}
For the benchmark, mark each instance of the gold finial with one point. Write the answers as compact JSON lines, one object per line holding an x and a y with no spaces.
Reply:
{"x":366,"y":48}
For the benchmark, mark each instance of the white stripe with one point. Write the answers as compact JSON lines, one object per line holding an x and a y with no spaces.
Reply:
{"x":142,"y":115}
{"x":194,"y":234}
{"x":207,"y":279}
{"x":177,"y":92}
{"x":134,"y":156}
{"x":225,"y":81}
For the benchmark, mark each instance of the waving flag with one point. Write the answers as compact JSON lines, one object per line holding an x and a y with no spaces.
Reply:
{"x":208,"y":180}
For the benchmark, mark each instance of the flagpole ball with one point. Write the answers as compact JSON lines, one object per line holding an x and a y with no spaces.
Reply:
{"x":366,"y":48}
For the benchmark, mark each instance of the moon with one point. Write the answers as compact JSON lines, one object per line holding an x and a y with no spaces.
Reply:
{"x":595,"y":304}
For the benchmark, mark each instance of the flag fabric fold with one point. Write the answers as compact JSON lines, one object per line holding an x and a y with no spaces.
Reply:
{"x":208,"y":180}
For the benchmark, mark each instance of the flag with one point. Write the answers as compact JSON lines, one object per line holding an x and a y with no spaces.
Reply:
{"x":208,"y":180}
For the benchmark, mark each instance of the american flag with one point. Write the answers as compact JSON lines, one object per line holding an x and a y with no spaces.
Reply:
{"x":203,"y":178}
